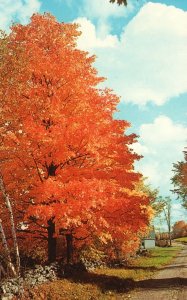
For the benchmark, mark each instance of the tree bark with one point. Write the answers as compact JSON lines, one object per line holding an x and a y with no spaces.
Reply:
{"x":51,"y":241}
{"x":69,"y":247}
{"x":4,"y":242}
{"x":13,"y":229}
{"x":167,"y":213}
{"x":2,"y":271}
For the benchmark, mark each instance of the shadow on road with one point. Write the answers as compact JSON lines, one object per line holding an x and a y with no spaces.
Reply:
{"x":113,"y":283}
{"x":162,"y":283}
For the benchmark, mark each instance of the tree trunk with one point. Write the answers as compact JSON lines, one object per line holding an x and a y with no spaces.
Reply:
{"x":13,"y":229}
{"x":51,"y":241}
{"x":169,"y":235}
{"x":69,"y":247}
{"x":169,"y":222}
{"x":2,"y":271}
{"x":167,"y":213}
{"x":4,"y":242}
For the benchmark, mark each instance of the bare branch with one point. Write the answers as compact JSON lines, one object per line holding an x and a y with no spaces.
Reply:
{"x":38,"y":171}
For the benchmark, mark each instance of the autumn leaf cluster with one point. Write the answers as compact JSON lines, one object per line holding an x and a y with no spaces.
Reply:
{"x":63,"y":155}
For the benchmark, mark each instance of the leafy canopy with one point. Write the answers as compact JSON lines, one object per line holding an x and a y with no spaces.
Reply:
{"x":179,"y":179}
{"x":64,"y":158}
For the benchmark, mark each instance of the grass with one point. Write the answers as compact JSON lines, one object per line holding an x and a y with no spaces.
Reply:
{"x":158,"y":257}
{"x":145,"y":267}
{"x":182,"y":240}
{"x":104,"y":284}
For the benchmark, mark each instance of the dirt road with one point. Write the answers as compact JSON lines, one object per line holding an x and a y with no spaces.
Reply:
{"x":169,"y":284}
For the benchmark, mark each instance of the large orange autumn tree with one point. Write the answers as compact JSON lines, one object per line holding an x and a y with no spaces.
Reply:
{"x":66,"y":162}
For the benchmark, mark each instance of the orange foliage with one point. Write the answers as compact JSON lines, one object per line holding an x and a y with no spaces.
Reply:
{"x":179,"y":229}
{"x":63,"y":155}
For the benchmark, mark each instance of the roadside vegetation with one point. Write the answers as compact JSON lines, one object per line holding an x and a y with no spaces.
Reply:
{"x":106,"y":283}
{"x":182,"y":240}
{"x":144,"y":267}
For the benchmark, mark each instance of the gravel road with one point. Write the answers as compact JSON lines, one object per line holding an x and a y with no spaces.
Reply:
{"x":169,"y":284}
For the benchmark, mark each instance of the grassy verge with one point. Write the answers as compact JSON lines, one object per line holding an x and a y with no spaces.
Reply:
{"x":145,"y":267}
{"x":104,"y":284}
{"x":157,"y":258}
{"x":182,"y":240}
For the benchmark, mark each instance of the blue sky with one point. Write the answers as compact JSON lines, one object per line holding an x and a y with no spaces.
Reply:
{"x":142,"y":51}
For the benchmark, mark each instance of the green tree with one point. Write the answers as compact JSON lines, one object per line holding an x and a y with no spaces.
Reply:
{"x":179,"y":179}
{"x":153,"y":195}
{"x":164,"y":207}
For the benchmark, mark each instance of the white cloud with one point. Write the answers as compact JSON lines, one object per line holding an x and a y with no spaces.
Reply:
{"x":140,"y":149}
{"x":149,"y":60}
{"x":89,"y":39}
{"x":17,"y":10}
{"x":178,"y":213}
{"x":96,"y":9}
{"x":102,"y":12}
{"x":164,"y":142}
{"x":163,"y":131}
